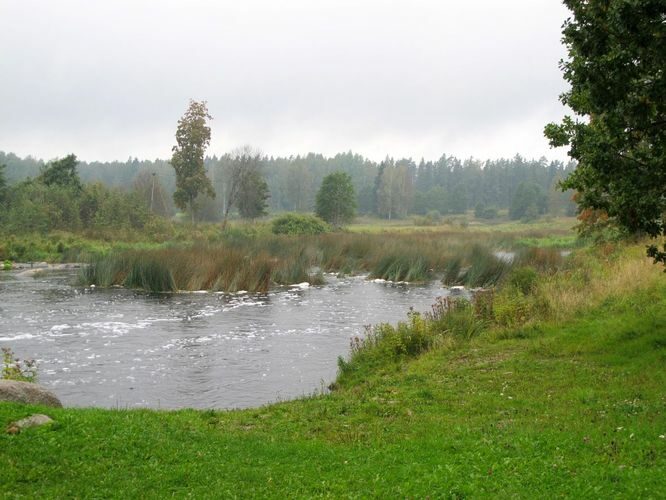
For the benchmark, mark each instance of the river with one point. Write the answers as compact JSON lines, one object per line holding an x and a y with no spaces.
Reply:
{"x":120,"y":348}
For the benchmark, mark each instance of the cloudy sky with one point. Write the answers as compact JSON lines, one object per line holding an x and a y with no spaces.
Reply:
{"x":409,"y":78}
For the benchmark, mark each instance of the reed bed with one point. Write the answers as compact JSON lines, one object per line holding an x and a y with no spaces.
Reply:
{"x":255,"y":263}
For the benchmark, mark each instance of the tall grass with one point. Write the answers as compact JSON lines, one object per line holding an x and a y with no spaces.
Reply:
{"x":485,"y":269}
{"x":528,"y":295}
{"x":242,"y":260}
{"x":384,"y":345}
{"x":150,"y":274}
{"x":413,"y":268}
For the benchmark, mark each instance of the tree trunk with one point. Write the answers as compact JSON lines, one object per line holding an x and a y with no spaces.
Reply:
{"x":224,"y":219}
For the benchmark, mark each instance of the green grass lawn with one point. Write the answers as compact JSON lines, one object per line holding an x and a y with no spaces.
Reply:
{"x":573,"y":410}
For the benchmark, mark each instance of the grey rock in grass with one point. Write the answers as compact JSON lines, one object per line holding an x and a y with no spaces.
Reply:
{"x":36,"y":420}
{"x":27,"y":393}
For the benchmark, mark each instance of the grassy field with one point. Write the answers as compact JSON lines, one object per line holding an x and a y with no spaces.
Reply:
{"x":64,"y":246}
{"x":560,"y":392}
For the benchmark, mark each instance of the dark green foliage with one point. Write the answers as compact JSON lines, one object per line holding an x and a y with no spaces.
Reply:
{"x":117,"y":209}
{"x":523,"y":279}
{"x":481,"y":211}
{"x":617,"y":56}
{"x":192,"y":138}
{"x":293,"y":182}
{"x":62,"y":173}
{"x":298,"y":224}
{"x":528,"y":203}
{"x":35,"y":207}
{"x":51,"y":201}
{"x":336,"y":200}
{"x":252,"y":200}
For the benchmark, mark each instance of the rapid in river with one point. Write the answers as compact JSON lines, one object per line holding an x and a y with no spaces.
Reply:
{"x":122,"y":348}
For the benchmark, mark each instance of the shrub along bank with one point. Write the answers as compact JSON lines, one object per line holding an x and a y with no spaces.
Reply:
{"x":551,"y":387}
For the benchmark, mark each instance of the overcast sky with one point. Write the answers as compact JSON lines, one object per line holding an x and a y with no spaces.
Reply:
{"x":109,"y":79}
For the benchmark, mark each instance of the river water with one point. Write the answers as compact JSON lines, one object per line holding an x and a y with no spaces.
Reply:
{"x":122,"y":348}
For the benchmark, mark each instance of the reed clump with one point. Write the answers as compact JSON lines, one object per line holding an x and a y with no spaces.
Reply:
{"x":476,"y":267}
{"x":255,"y":261}
{"x":241,"y":260}
{"x":410,"y":268}
{"x":149,"y":274}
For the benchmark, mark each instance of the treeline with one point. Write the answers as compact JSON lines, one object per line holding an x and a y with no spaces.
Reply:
{"x":57,"y":199}
{"x":389,"y":189}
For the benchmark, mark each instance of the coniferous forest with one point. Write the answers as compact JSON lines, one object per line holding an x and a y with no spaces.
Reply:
{"x":390,"y":189}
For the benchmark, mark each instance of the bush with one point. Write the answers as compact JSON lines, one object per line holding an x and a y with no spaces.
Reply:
{"x":490,"y":213}
{"x":432,"y":218}
{"x":481,"y":211}
{"x":299,"y":224}
{"x":512,"y":308}
{"x":523,"y":279}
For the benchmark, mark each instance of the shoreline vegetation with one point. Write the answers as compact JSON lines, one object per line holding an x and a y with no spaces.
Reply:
{"x":249,"y":257}
{"x":551,"y":384}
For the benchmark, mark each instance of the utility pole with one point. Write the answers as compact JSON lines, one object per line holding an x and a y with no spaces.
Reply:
{"x":152,"y":193}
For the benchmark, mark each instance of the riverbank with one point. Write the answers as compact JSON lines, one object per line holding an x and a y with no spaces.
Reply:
{"x":568,"y":400}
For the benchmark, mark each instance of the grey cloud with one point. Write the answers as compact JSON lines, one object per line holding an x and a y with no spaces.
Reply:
{"x":379,"y":77}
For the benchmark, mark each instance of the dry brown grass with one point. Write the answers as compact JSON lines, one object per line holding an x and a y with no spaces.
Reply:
{"x":596,"y":275}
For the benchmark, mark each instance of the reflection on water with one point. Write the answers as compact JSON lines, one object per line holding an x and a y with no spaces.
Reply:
{"x":122,"y":348}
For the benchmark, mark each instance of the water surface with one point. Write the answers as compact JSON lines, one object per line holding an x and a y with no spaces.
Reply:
{"x":124,"y":348}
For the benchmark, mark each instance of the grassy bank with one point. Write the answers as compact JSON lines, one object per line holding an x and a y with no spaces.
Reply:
{"x":556,"y":389}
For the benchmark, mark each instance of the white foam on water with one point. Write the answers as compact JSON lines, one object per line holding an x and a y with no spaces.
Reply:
{"x":18,"y":336}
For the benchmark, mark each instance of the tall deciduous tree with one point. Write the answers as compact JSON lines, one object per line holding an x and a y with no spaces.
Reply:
{"x":252,"y":202}
{"x":395,"y":191}
{"x":336,"y":200}
{"x":62,"y":173}
{"x":617,"y":71}
{"x":246,"y":188}
{"x":192,"y":139}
